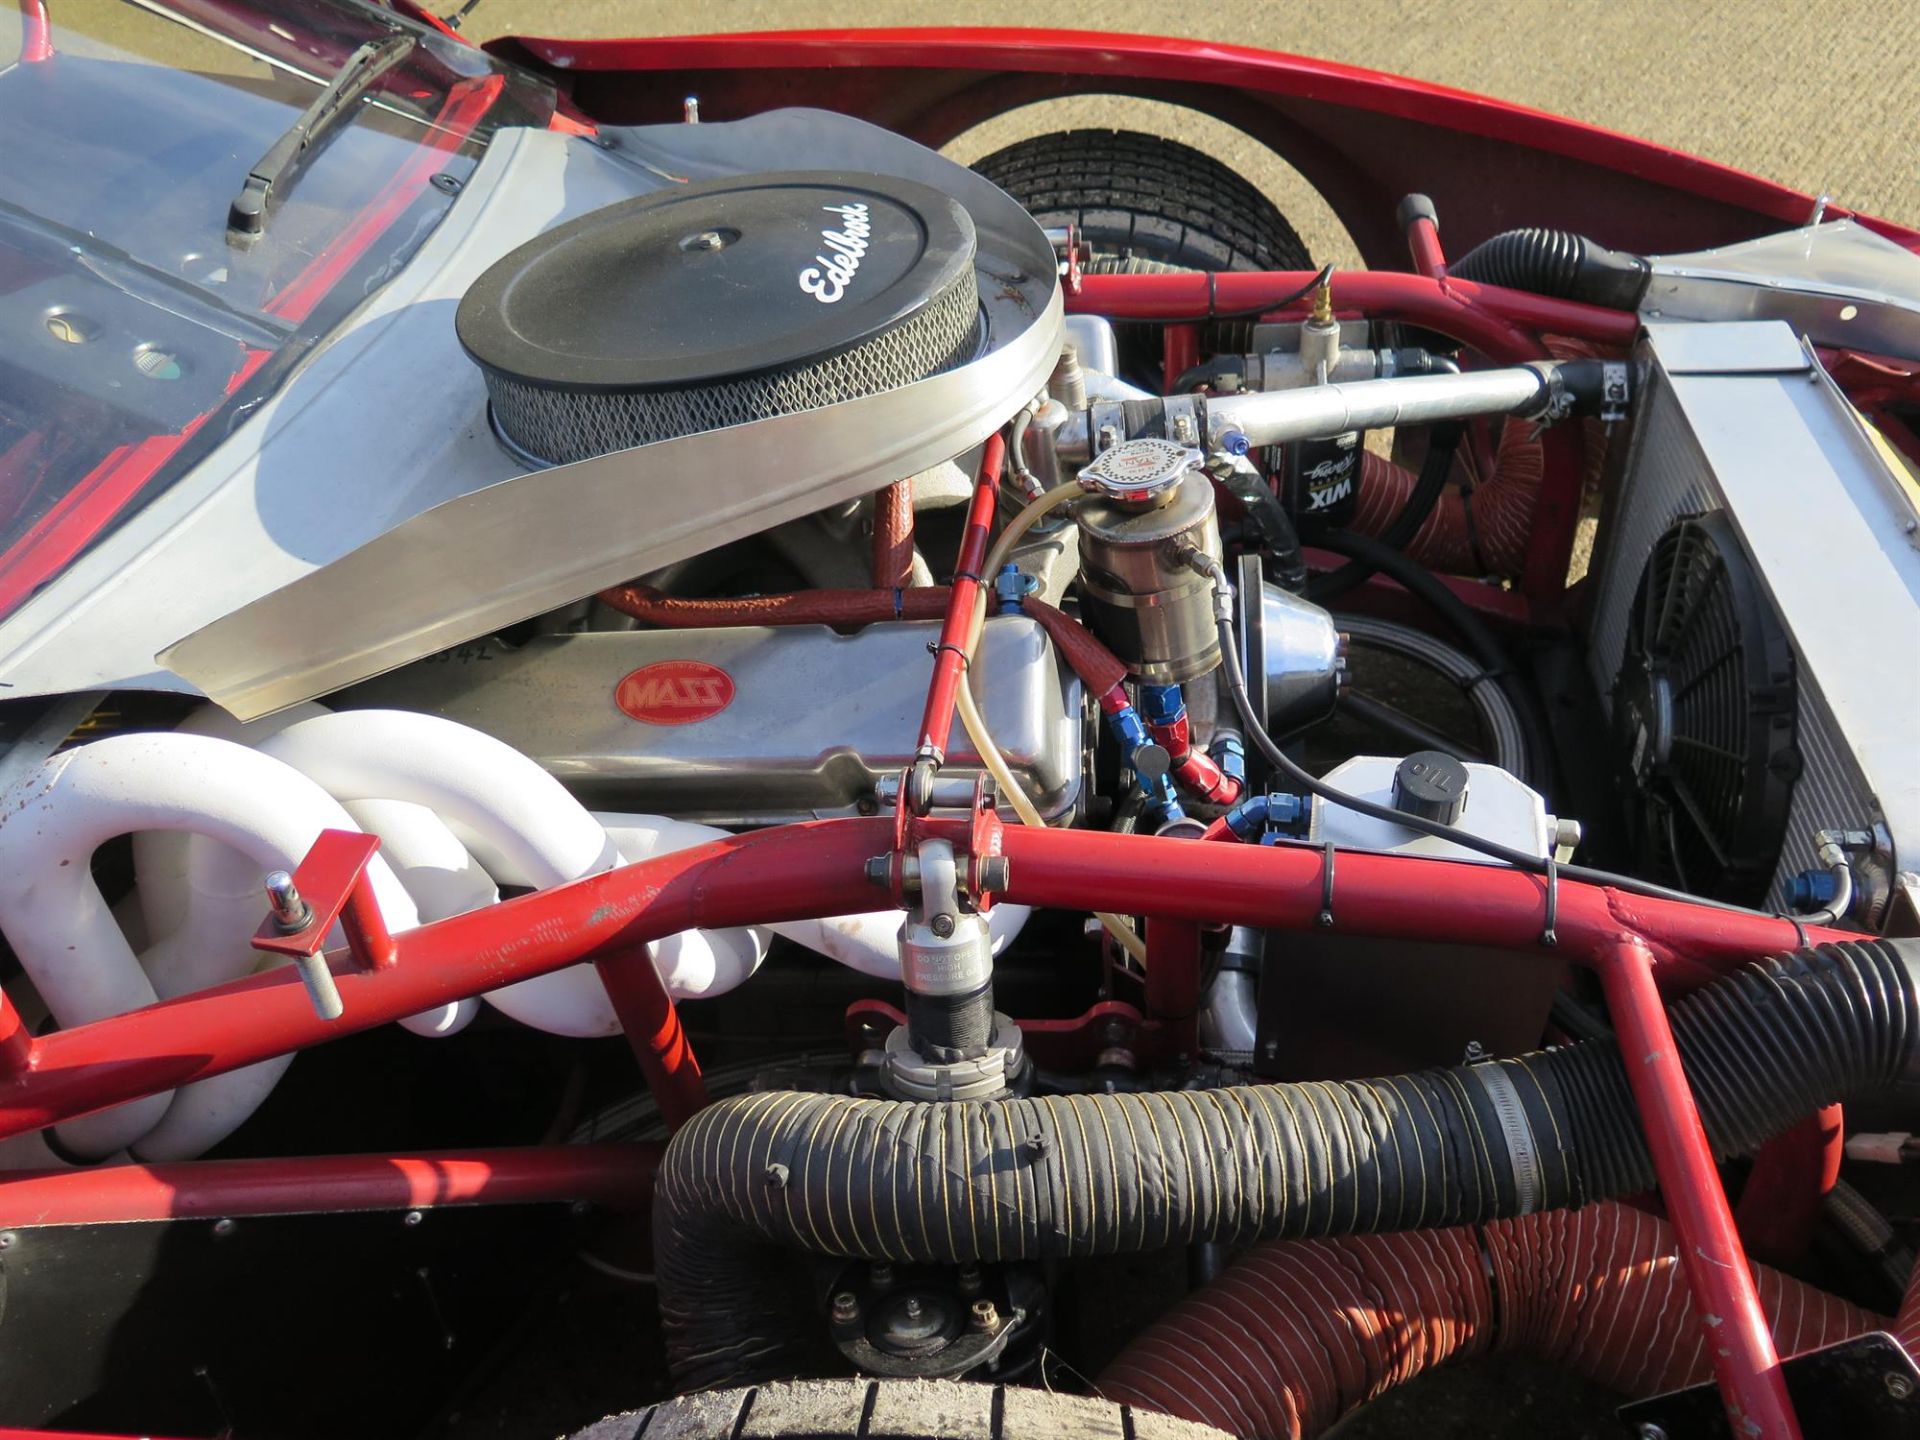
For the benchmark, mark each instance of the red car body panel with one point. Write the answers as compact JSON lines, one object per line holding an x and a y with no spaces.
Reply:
{"x":1362,"y":138}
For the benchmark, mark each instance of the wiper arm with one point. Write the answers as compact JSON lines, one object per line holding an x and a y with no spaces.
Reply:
{"x":333,"y":105}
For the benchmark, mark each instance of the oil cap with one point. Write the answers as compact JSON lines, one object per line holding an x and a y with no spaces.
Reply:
{"x":1432,"y":785}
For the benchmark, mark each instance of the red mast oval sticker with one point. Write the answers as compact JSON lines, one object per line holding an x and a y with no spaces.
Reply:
{"x":675,"y":692}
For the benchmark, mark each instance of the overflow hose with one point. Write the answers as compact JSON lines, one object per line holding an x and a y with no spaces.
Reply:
{"x":1058,"y":1177}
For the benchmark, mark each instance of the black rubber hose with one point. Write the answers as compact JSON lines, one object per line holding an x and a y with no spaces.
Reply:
{"x":1558,"y":263}
{"x":1423,"y":583}
{"x":1442,"y":443}
{"x":1059,"y":1177}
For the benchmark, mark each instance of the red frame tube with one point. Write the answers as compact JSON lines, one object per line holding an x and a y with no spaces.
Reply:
{"x":815,"y":869}
{"x":1502,"y":324}
{"x":1173,"y":981}
{"x":950,"y":659}
{"x":1791,"y":1177}
{"x":619,"y":1177}
{"x":654,"y":1032}
{"x":805,"y":871}
{"x":16,"y":1041}
{"x":366,"y":928}
{"x":795,"y":872}
{"x":1726,"y":1306}
{"x":1179,"y":353}
{"x":1423,"y":244}
{"x":36,"y":32}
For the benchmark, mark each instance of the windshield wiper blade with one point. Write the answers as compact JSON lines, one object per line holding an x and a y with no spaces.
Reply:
{"x":248,"y":213}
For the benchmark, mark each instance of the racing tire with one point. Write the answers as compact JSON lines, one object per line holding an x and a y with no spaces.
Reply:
{"x":1137,"y":197}
{"x":892,"y":1410}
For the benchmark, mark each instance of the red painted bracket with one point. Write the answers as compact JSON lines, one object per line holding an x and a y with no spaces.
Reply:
{"x":332,"y":880}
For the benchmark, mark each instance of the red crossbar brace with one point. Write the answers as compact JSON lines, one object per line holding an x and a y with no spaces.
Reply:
{"x":1733,"y":1326}
{"x":618,"y":1176}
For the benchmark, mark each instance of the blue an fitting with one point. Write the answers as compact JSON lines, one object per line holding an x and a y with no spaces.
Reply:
{"x":1812,"y":890}
{"x":1128,"y":728}
{"x":1230,"y":755}
{"x":1250,"y":819}
{"x":1163,"y":704}
{"x":1012,"y":586}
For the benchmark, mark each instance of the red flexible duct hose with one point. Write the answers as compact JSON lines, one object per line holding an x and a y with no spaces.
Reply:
{"x":1097,"y":666}
{"x":1298,"y":1333}
{"x":1501,"y":516}
{"x":1498,"y":518}
{"x":893,"y":536}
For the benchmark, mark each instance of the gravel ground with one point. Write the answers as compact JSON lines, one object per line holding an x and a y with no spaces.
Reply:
{"x":1821,"y":97}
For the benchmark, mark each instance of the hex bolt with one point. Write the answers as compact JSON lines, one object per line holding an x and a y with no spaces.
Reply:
{"x":970,"y":1280}
{"x":985,"y":1315}
{"x":321,"y":990}
{"x":291,"y":914}
{"x":846,"y":1308}
{"x":1899,"y":1386}
{"x":880,"y":1275}
{"x":995,"y":872}
{"x":880,"y":869}
{"x":913,"y":1308}
{"x":290,"y":911}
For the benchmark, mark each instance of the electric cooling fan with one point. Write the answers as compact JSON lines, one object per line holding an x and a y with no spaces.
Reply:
{"x":1704,"y":711}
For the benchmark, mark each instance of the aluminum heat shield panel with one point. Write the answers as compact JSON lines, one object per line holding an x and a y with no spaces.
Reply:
{"x":529,"y":544}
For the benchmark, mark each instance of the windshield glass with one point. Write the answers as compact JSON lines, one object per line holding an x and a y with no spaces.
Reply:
{"x":138,"y":332}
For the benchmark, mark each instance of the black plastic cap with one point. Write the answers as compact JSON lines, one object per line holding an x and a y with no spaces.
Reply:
{"x":1432,"y":785}
{"x":1416,"y":207}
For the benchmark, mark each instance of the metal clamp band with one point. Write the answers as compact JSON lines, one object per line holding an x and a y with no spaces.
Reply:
{"x":1523,"y":1156}
{"x":1549,"y":937}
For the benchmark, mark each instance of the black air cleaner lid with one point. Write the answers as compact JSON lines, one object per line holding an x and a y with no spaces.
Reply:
{"x":711,"y":282}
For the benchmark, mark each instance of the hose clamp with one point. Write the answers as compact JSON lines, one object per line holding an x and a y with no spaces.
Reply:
{"x":1523,"y":1154}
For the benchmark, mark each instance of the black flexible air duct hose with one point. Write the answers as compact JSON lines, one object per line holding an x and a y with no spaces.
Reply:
{"x":1558,"y":263}
{"x":1057,"y":1177}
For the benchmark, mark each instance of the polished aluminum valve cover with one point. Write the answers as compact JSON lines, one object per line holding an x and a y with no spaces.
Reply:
{"x":748,"y":726}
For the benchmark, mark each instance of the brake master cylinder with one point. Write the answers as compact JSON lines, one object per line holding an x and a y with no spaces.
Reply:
{"x":1150,"y":505}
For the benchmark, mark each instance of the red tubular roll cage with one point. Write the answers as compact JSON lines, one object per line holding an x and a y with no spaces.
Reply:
{"x":1639,"y":946}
